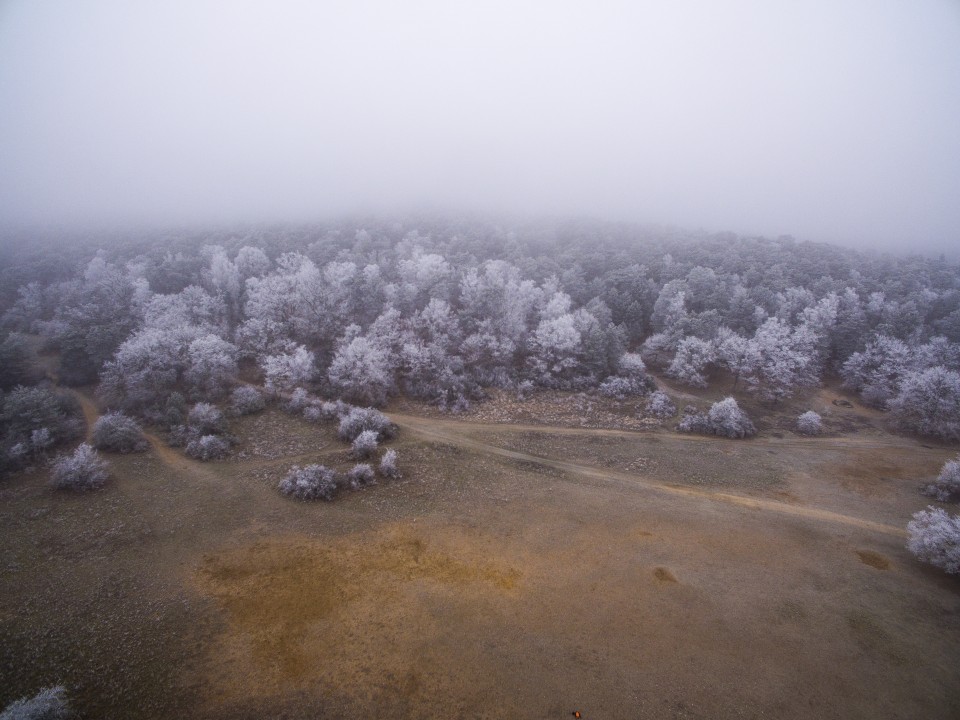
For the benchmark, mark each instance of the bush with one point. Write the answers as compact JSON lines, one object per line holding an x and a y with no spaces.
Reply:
{"x":388,"y":465}
{"x":313,"y":413}
{"x":934,"y":537}
{"x":360,"y":476}
{"x":309,"y":483}
{"x":620,"y":388}
{"x":694,"y":421}
{"x":299,"y":400}
{"x":208,"y":447}
{"x":809,"y":423}
{"x":206,"y":419}
{"x":115,"y":432}
{"x":246,"y":400}
{"x":364,"y":445}
{"x":26,"y":409}
{"x":947,"y":486}
{"x":525,"y":391}
{"x":48,"y":704}
{"x":359,"y":419}
{"x":727,"y":419}
{"x":659,"y":405}
{"x":83,"y":470}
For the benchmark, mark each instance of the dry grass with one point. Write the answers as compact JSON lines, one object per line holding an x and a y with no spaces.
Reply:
{"x":511,"y":573}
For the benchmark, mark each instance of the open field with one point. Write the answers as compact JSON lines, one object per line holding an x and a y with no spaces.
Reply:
{"x":517,"y":570}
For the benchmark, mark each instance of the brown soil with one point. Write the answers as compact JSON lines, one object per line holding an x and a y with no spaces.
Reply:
{"x":515,"y":571}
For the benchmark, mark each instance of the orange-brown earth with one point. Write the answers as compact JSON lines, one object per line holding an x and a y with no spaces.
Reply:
{"x":515,"y":571}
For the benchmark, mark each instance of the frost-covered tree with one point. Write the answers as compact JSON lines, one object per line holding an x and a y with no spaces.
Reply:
{"x":115,"y":432}
{"x":809,"y":423}
{"x":212,"y":365}
{"x":246,"y":400}
{"x":208,"y":447}
{"x":313,"y":482}
{"x":358,"y":420}
{"x":27,"y":410}
{"x":361,"y":475}
{"x":947,"y":486}
{"x":362,"y":371}
{"x":877,"y":371}
{"x":775,"y":363}
{"x":934,"y":537}
{"x":364,"y":445}
{"x":691,"y":361}
{"x":48,"y":704}
{"x":929,"y":403}
{"x":388,"y":465}
{"x":727,"y":419}
{"x":287,"y":370}
{"x":206,"y":419}
{"x":81,"y":470}
{"x":659,"y":405}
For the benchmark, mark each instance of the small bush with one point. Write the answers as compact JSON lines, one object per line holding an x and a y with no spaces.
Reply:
{"x":659,"y":405}
{"x":728,"y":420}
{"x":208,"y":447}
{"x":694,"y":421}
{"x":313,"y":414}
{"x":299,"y":400}
{"x":947,"y":486}
{"x":48,"y":704}
{"x":246,"y":400}
{"x":115,"y":432}
{"x":388,"y":465}
{"x":934,"y":537}
{"x":206,"y":419}
{"x":313,"y":482}
{"x":83,"y":470}
{"x":364,"y":445}
{"x":360,"y":476}
{"x":809,"y":423}
{"x":359,"y":419}
{"x":525,"y":390}
{"x":40,"y":440}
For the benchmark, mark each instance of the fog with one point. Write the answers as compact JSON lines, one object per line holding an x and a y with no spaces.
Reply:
{"x":828,"y":120}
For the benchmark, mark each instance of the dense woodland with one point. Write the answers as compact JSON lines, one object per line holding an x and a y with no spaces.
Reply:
{"x":443,"y":310}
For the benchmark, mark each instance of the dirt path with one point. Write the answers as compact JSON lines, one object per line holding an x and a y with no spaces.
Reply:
{"x":468,"y":425}
{"x":167,"y":455}
{"x":445,"y":431}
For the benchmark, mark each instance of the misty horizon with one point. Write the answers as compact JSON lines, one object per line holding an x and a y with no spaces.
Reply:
{"x":827,"y":122}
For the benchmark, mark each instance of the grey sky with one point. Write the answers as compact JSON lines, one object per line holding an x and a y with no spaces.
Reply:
{"x":832,"y":120}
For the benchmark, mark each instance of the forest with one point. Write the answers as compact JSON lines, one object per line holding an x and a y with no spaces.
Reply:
{"x":177,"y":336}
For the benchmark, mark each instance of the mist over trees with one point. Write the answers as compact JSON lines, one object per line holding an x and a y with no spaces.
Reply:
{"x":444,"y":309}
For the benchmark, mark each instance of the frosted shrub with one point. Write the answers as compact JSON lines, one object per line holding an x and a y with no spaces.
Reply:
{"x":694,"y":421}
{"x":115,"y":432}
{"x":246,"y":400}
{"x":313,"y":413}
{"x":388,"y":465}
{"x":727,"y":419}
{"x":40,"y":440}
{"x":361,"y":475}
{"x":525,"y":391}
{"x":359,"y":419}
{"x":299,"y":400}
{"x":620,"y":387}
{"x":312,"y":482}
{"x":934,"y":537}
{"x":659,"y":405}
{"x":364,"y":445}
{"x":48,"y":704}
{"x":83,"y":470}
{"x":208,"y":447}
{"x":206,"y":419}
{"x":947,"y":486}
{"x":929,"y":403}
{"x":809,"y":423}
